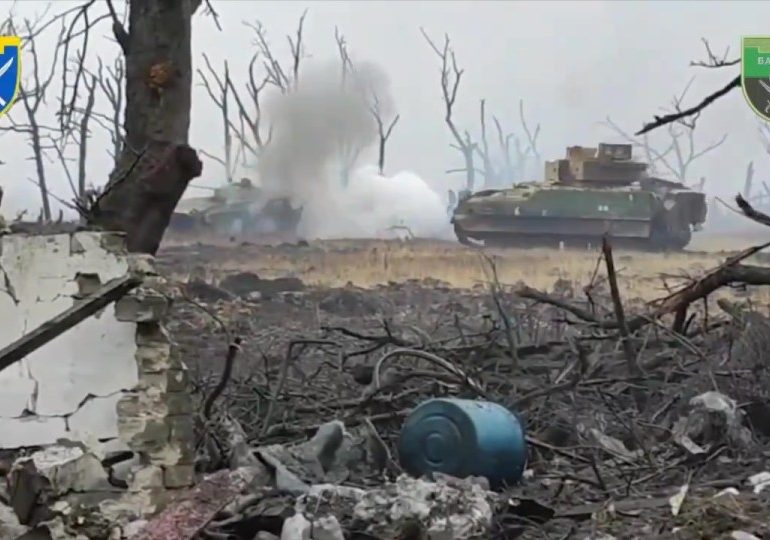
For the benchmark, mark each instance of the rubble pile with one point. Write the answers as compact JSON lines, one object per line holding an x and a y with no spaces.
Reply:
{"x":609,"y":450}
{"x":272,"y":409}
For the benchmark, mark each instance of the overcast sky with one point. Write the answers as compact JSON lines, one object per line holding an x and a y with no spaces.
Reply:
{"x":573,"y":63}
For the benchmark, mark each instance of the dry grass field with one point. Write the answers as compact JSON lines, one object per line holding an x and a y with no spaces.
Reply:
{"x":366,"y":263}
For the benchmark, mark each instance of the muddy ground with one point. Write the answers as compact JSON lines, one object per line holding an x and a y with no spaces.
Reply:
{"x":609,"y":445}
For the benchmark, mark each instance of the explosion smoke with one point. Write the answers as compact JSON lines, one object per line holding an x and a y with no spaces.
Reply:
{"x":306,"y":159}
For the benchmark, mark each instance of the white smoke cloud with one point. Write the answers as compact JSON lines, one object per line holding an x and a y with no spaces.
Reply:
{"x":303,"y":160}
{"x":372,"y":204}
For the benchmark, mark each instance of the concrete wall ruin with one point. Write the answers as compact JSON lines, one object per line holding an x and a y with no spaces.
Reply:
{"x":113,"y":377}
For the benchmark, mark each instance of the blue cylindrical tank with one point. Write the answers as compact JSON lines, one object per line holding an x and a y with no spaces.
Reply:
{"x":463,"y":437}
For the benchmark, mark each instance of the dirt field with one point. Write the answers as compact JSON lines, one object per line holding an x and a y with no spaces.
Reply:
{"x":317,"y":319}
{"x":366,"y":263}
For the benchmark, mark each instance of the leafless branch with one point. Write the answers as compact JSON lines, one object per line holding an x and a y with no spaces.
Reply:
{"x":118,"y":30}
{"x":680,"y":151}
{"x":349,"y":151}
{"x":276,"y":75}
{"x":531,"y":135}
{"x":383,"y":132}
{"x":712,"y":60}
{"x":67,"y":105}
{"x":32,"y":94}
{"x":682,"y":115}
{"x":524,"y":151}
{"x":252,"y":120}
{"x":83,"y":133}
{"x":214,"y":15}
{"x":750,"y":212}
{"x":342,"y":49}
{"x":504,"y":140}
{"x":489,"y":170}
{"x":221,"y":100}
{"x":691,"y":111}
{"x":451,"y":75}
{"x":111,"y":81}
{"x":295,"y":45}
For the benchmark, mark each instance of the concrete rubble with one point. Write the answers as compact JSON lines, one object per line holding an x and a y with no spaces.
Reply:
{"x":321,"y":509}
{"x":711,"y":418}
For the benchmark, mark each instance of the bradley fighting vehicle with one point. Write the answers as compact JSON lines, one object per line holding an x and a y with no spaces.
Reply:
{"x":235,"y":208}
{"x":592,"y":192}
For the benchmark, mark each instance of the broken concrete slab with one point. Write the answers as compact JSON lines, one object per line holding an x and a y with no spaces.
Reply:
{"x":70,"y":468}
{"x":41,"y":275}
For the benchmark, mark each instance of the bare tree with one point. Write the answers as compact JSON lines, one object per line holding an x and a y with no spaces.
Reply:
{"x":679,"y":152}
{"x":243,"y":122}
{"x":276,"y":74}
{"x":346,"y":64}
{"x":112,"y":80}
{"x":762,"y":199}
{"x":80,"y":138}
{"x":489,"y":171}
{"x":249,"y":128}
{"x":221,"y":98}
{"x":32,"y":95}
{"x":348,"y":151}
{"x":155,"y":163}
{"x":690,"y":115}
{"x":513,"y":168}
{"x":383,"y":132}
{"x":451,"y":75}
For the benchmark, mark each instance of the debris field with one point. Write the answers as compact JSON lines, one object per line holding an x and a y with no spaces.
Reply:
{"x":643,"y":419}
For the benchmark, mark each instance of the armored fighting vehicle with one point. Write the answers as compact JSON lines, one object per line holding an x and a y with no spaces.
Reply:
{"x":236,"y":208}
{"x":592,"y":192}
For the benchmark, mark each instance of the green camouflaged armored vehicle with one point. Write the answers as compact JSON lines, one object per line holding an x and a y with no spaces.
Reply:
{"x":233,"y":209}
{"x":592,"y":192}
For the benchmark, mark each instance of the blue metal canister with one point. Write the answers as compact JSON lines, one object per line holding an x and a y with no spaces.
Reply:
{"x":463,"y":437}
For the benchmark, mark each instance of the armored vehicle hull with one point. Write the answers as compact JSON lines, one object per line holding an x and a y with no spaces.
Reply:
{"x":236,"y":209}
{"x":634,"y":209}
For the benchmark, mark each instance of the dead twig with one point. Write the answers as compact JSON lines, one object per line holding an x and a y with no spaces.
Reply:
{"x":625,"y":336}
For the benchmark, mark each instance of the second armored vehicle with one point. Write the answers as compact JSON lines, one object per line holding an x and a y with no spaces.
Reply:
{"x":593,"y":192}
{"x":236,"y":208}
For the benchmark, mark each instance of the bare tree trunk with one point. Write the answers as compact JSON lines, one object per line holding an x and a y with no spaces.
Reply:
{"x":747,"y":182}
{"x":37,"y":150}
{"x":83,"y":142}
{"x":156,"y":164}
{"x":470,"y":168}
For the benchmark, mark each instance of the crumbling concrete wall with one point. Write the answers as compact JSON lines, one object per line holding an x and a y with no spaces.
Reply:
{"x":112,"y":377}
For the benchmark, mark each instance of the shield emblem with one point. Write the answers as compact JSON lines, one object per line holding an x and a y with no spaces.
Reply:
{"x":755,"y":74}
{"x":10,"y":71}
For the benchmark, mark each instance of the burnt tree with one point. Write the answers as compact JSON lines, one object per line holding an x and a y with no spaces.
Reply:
{"x":689,"y":115}
{"x":680,"y":151}
{"x":112,"y":80}
{"x":221,"y":98}
{"x":450,"y":83}
{"x":348,"y":152}
{"x":155,"y":163}
{"x":383,"y":132}
{"x":33,"y":90}
{"x":511,"y":169}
